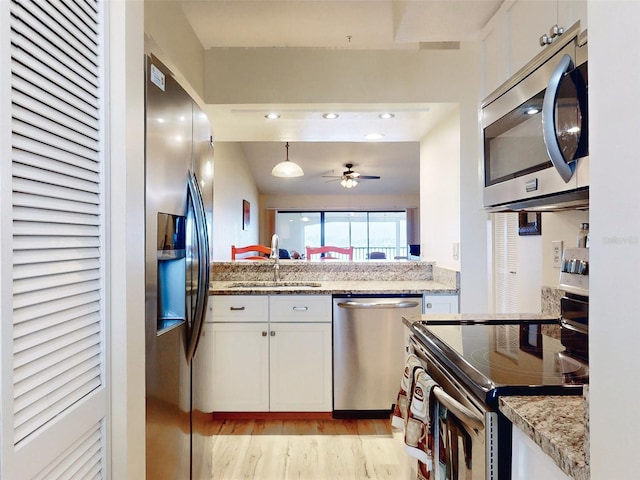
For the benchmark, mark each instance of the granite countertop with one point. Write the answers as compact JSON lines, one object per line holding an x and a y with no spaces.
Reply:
{"x":556,"y":424}
{"x":369,"y":287}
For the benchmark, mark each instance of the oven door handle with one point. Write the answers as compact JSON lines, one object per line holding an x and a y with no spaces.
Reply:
{"x":465,"y":415}
{"x":461,"y":412}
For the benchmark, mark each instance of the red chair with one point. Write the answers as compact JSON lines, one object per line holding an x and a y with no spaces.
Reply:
{"x":251,"y":248}
{"x":327,"y":250}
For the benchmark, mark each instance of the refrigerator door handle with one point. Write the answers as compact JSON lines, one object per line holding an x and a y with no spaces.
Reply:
{"x":203,"y":265}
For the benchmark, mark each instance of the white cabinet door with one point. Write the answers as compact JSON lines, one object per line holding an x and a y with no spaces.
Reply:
{"x":496,"y":53}
{"x":239,"y":368}
{"x":440,"y":304}
{"x":529,"y":20}
{"x":301,"y":376}
{"x":529,"y":462}
{"x":572,"y":11}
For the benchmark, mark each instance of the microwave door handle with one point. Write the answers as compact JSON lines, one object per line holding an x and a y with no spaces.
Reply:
{"x":548,"y":120}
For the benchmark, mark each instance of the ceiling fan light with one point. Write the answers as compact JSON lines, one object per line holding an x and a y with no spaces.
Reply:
{"x":348,"y":182}
{"x":287,"y":169}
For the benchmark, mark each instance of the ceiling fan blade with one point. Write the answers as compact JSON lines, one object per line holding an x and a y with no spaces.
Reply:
{"x":368,"y":177}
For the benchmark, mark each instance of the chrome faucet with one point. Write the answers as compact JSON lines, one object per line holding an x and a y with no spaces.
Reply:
{"x":275,"y":254}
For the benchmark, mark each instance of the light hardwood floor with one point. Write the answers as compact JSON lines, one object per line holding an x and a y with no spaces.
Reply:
{"x":306,"y":450}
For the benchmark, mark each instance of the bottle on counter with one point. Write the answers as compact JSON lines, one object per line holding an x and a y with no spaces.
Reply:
{"x":583,"y":236}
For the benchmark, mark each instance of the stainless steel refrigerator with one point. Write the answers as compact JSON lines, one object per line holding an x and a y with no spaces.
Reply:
{"x":178,"y":206}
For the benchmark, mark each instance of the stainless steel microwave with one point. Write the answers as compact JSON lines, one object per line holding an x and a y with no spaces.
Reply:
{"x":535,"y":131}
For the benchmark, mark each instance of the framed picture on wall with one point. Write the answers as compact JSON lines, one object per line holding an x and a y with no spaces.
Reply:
{"x":246,"y":214}
{"x":529,"y":223}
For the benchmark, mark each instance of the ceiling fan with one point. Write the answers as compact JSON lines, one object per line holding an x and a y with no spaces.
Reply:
{"x":349,"y":178}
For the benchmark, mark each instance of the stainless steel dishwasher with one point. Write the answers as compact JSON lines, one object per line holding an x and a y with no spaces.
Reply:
{"x":368,"y":353}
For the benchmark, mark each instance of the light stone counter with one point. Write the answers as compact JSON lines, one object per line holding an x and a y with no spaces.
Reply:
{"x":340,"y":278}
{"x":556,"y":424}
{"x":368,"y":287}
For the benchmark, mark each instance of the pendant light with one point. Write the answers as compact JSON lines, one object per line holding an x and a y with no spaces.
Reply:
{"x":287,"y":168}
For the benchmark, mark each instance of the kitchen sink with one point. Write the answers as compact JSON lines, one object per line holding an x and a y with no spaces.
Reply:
{"x":275,"y":285}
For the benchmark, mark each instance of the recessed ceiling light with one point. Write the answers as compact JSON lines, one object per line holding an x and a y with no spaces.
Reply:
{"x":385,"y":116}
{"x":272,"y":116}
{"x":532,"y":111}
{"x":330,"y":116}
{"x":374,"y":136}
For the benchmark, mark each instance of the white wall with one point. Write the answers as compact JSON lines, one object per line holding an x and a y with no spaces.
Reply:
{"x":173,"y":41}
{"x":232,"y":183}
{"x":125,"y":320}
{"x":558,"y":226}
{"x":440,"y":192}
{"x":339,"y":202}
{"x":614,"y":329}
{"x":474,"y":275}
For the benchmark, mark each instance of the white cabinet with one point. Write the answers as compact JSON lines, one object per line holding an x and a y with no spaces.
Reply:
{"x":266,"y":353}
{"x":529,"y":462}
{"x":511,"y":37}
{"x":440,"y":304}
{"x":528,"y":21}
{"x":495,"y":52}
{"x":239,"y":368}
{"x":300,"y":367}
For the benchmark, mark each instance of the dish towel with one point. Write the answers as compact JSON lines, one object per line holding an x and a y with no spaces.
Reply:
{"x":414,"y":414}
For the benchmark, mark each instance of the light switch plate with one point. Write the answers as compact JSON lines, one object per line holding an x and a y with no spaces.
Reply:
{"x":557,"y":253}
{"x":456,"y":250}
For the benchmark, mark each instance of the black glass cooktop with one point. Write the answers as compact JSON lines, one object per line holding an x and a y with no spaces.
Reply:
{"x":504,"y":359}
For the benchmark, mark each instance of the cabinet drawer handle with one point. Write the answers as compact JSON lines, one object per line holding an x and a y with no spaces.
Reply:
{"x":429,"y":305}
{"x":233,"y":309}
{"x":264,"y":334}
{"x":300,"y":309}
{"x":272,"y":333}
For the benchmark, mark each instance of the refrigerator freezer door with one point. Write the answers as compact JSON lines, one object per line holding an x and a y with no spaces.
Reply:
{"x":168,"y":376}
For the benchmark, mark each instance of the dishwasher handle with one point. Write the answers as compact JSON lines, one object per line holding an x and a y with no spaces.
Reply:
{"x":395,"y":304}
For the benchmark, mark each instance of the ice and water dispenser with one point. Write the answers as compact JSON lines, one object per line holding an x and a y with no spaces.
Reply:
{"x":171,"y":270}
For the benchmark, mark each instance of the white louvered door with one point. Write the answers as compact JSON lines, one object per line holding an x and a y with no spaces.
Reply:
{"x":54,"y":399}
{"x":505,"y":258}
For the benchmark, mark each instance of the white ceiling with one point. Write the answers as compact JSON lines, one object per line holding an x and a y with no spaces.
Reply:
{"x":323,"y":146}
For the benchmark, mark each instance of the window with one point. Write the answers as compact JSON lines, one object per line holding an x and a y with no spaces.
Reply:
{"x":382,"y":233}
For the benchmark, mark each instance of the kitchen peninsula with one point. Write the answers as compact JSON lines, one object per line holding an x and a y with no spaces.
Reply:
{"x":367,"y":277}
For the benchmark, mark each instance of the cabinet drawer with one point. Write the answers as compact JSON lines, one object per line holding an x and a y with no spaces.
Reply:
{"x":238,"y":308}
{"x":300,"y":308}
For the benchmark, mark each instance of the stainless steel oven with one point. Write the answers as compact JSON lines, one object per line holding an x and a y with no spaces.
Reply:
{"x":479,"y":424}
{"x":535,"y":132}
{"x":475,"y":362}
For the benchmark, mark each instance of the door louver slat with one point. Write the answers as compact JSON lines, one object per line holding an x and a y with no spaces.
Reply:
{"x":82,"y":452}
{"x":23,"y":74}
{"x":60,"y":39}
{"x":23,"y":57}
{"x":54,"y":255}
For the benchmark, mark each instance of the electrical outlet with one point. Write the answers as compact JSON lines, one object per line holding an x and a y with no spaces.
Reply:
{"x":557,"y":253}
{"x":456,"y":250}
